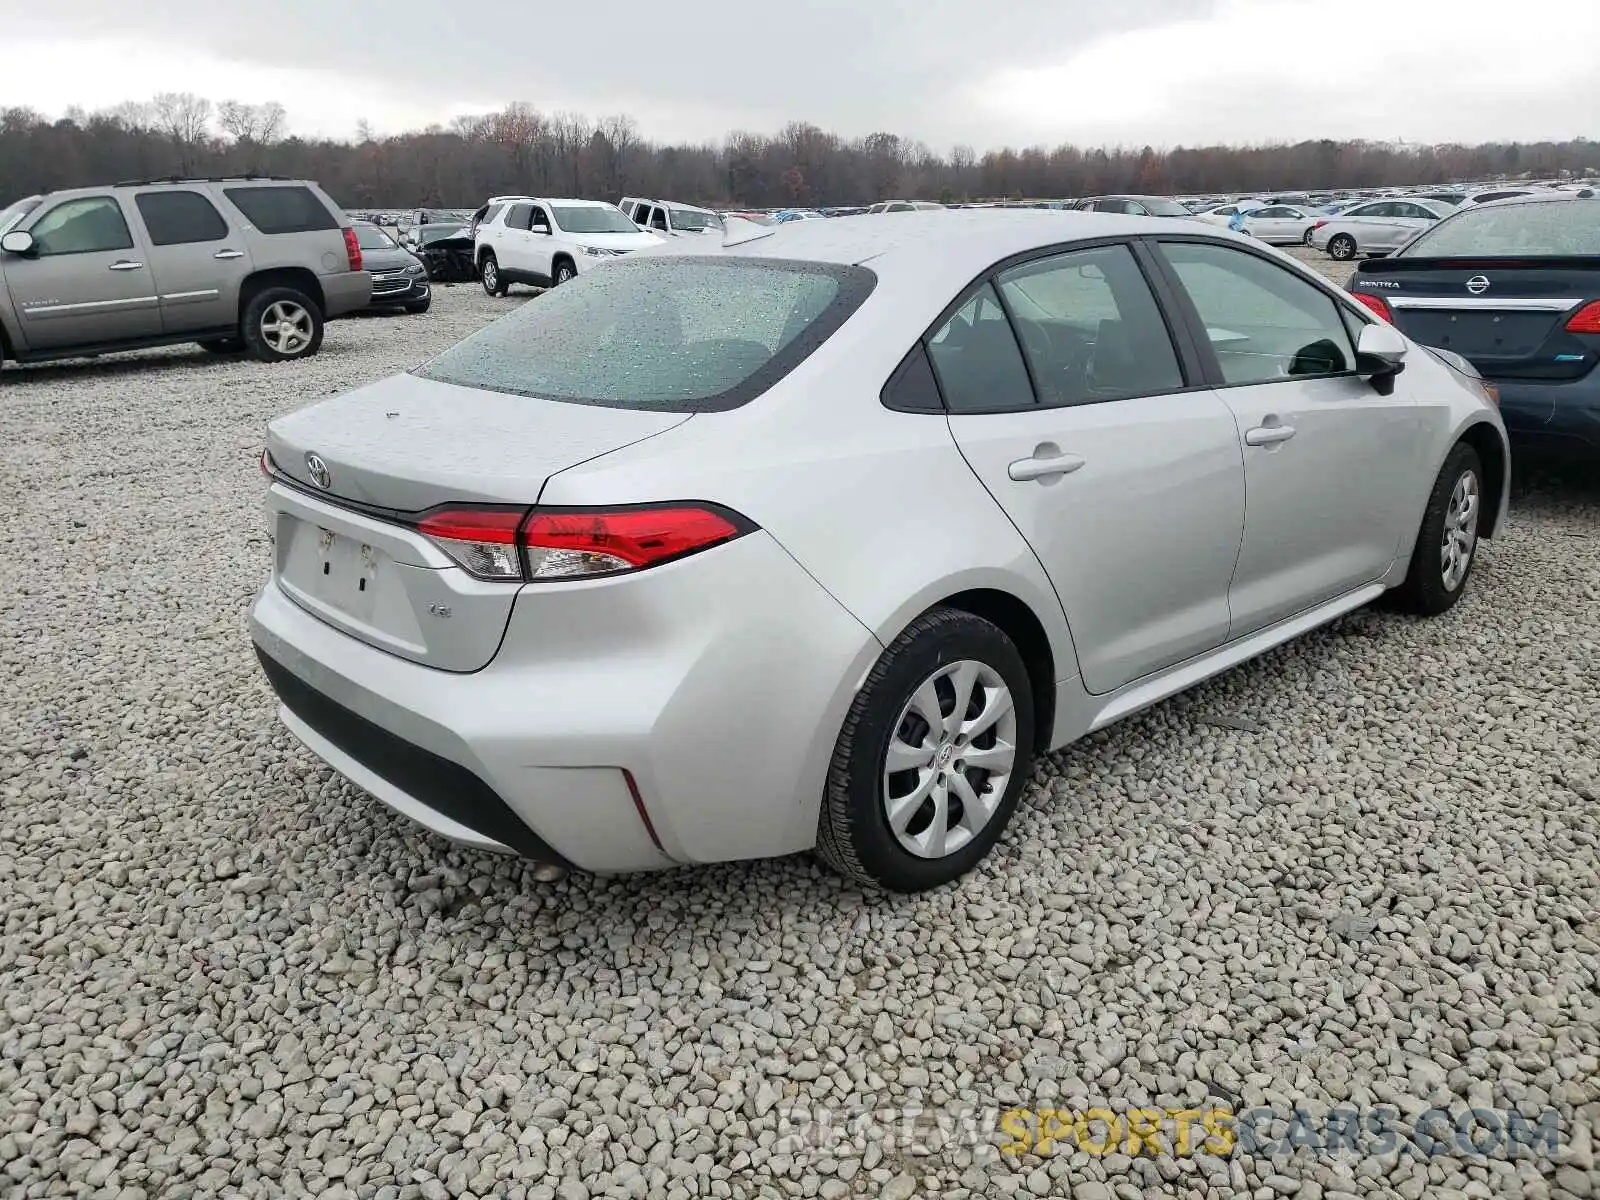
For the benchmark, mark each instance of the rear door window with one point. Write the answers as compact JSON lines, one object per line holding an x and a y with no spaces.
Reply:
{"x":519,"y":216}
{"x":977,"y":359}
{"x":679,"y":334}
{"x":275,"y":210}
{"x":180,"y":218}
{"x":1090,"y":327}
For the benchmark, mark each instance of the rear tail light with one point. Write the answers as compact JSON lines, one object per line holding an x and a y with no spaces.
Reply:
{"x":534,"y":545}
{"x":266,"y":464}
{"x":1375,"y":305}
{"x":1586,"y":319}
{"x":1318,"y":226}
{"x":352,"y":249}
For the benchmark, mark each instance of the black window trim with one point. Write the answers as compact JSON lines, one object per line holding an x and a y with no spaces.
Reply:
{"x":1191,"y":365}
{"x":116,"y":203}
{"x":1196,"y":327}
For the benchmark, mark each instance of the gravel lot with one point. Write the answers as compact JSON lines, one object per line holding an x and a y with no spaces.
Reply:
{"x":1365,"y":869}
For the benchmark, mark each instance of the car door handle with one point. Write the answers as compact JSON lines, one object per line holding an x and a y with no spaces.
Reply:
{"x":1268,"y":435}
{"x":1044,"y":465}
{"x":127,"y":266}
{"x":228,"y":254}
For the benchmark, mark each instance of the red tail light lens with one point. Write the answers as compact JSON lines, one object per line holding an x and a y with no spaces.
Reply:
{"x":1586,"y":319}
{"x":516,"y":544}
{"x":1374,"y":305}
{"x":578,"y":543}
{"x":481,"y":539}
{"x":1318,"y":226}
{"x":352,"y":249}
{"x":266,"y":464}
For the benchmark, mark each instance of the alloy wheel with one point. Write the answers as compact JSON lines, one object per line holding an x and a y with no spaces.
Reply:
{"x":1460,"y":531}
{"x":287,"y":327}
{"x":949,"y":759}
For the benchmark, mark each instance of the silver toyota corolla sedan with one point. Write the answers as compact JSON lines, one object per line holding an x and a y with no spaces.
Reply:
{"x":818,"y":539}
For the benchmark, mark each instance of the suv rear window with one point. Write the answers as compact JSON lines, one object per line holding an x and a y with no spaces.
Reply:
{"x":282,"y":209}
{"x":673,"y":334}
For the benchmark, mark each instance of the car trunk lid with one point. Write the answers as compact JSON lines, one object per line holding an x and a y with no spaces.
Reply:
{"x":354,"y":473}
{"x":1508,"y":316}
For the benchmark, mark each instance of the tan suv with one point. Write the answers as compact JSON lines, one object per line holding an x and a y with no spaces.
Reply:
{"x":248,"y":264}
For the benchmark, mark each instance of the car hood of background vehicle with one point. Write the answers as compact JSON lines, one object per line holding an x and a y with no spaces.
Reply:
{"x":407,"y":443}
{"x":387,"y":259}
{"x":618,"y":241}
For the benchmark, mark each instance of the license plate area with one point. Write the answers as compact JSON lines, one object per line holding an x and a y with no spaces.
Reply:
{"x":333,"y":569}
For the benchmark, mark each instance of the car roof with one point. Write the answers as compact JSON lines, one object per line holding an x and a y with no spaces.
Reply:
{"x":967,"y":241}
{"x":1540,"y":198}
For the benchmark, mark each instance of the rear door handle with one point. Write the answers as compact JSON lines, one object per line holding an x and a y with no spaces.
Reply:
{"x":1268,"y":435}
{"x":127,"y":266}
{"x":228,"y":254}
{"x":1051,"y":462}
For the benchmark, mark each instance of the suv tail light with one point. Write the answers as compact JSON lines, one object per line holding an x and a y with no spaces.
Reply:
{"x":1586,"y":319}
{"x":535,"y":545}
{"x":1373,"y":304}
{"x":352,"y":249}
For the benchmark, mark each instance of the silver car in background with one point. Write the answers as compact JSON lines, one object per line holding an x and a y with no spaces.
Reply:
{"x":1376,"y":227}
{"x":818,"y":539}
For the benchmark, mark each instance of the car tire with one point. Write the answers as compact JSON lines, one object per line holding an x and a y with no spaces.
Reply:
{"x":227,"y":345}
{"x":1447,"y":542}
{"x":1342,"y":247}
{"x":1306,"y":238}
{"x":928,"y":663}
{"x":565,"y":272}
{"x":418,"y":307}
{"x":280,"y":324}
{"x":489,"y":273}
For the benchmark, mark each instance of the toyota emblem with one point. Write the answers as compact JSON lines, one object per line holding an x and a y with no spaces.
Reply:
{"x":1478,"y":285}
{"x":318,"y":470}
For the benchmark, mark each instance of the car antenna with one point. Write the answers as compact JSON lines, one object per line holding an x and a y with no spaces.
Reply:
{"x":734,"y":235}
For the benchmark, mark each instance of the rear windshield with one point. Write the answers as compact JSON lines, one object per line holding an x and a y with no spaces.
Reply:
{"x":1163,"y":208}
{"x":1553,"y":228}
{"x":674,"y":334}
{"x":370,"y":237}
{"x":282,"y":209}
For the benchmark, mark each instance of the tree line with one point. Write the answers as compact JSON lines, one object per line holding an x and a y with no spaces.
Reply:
{"x":523,"y":149}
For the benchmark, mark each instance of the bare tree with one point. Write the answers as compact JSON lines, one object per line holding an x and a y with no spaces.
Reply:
{"x":185,"y":118}
{"x":252,"y":124}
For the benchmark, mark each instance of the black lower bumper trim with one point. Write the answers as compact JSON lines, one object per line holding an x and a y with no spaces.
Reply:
{"x":444,"y":786}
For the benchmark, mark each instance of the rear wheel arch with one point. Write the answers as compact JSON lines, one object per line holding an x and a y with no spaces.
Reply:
{"x":1014,"y":618}
{"x":1491,"y":448}
{"x":298,"y":278}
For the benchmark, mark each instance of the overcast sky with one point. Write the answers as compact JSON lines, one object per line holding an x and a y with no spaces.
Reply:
{"x":981,"y":72}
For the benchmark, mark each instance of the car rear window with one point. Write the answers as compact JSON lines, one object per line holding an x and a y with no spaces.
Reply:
{"x":1544,"y":229}
{"x":282,"y":209}
{"x":674,"y":334}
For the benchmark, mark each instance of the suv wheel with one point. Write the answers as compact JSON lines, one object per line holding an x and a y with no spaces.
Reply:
{"x":932,"y":757}
{"x":489,"y":269}
{"x":565,"y":272}
{"x":280,"y":324}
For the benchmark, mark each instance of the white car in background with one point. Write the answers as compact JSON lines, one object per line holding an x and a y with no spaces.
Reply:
{"x":1376,"y":227}
{"x":666,"y":217}
{"x":1223,"y":214}
{"x":1491,"y":194}
{"x":525,"y":239}
{"x":1275,"y":224}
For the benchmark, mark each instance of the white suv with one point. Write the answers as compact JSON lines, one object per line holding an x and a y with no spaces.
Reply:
{"x":524,"y":239}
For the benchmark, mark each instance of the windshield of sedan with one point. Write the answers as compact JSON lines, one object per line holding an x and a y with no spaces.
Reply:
{"x":10,"y":215}
{"x":370,"y":237}
{"x":667,"y":334}
{"x":1551,"y":229}
{"x":595,"y":219}
{"x":1164,"y":208}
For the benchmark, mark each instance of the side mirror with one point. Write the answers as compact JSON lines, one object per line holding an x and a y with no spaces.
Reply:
{"x":18,"y":241}
{"x":1380,"y":355}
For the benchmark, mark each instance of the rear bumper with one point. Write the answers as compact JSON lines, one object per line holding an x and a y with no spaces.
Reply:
{"x":345,"y":292}
{"x":718,"y":683}
{"x":1566,"y":411}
